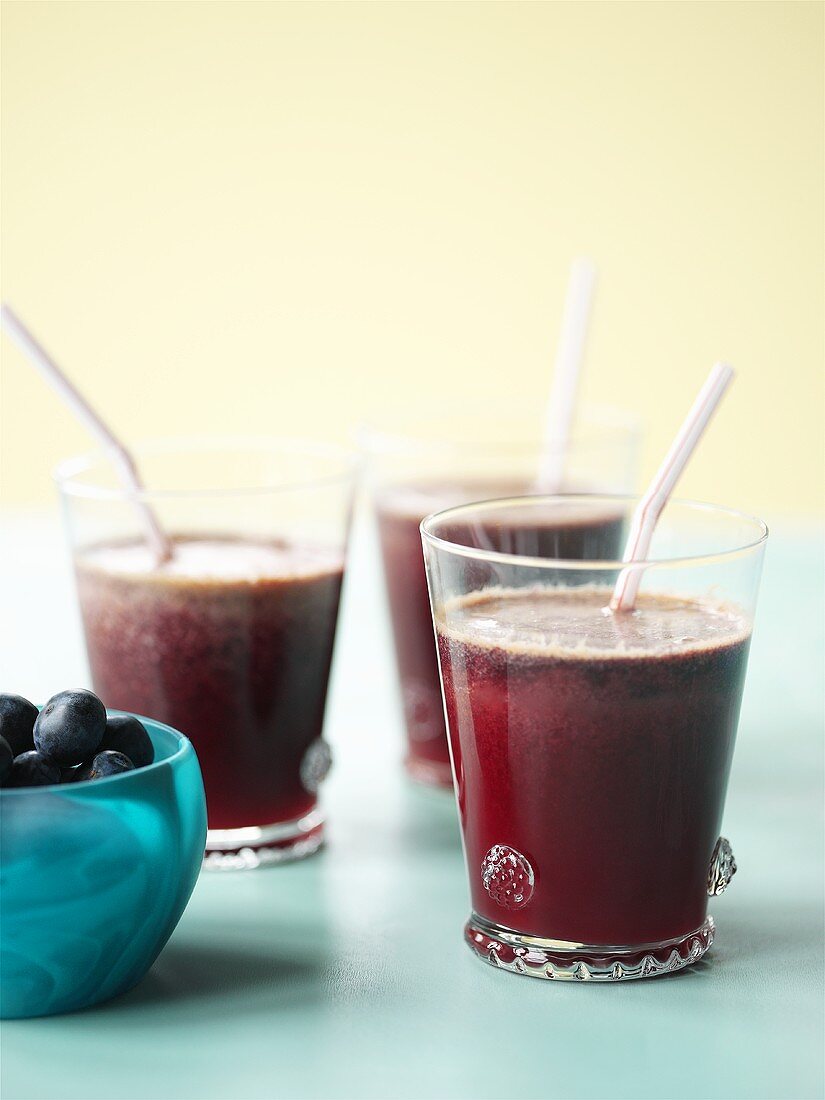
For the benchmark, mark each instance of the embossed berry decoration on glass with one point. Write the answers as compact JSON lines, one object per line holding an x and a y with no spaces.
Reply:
{"x":591,"y":749}
{"x":722,"y":868}
{"x":507,"y":876}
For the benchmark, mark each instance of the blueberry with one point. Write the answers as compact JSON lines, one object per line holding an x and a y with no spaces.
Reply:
{"x":6,"y":760}
{"x":32,"y":769}
{"x":105,"y":763}
{"x":125,"y":734}
{"x":17,"y":717}
{"x":70,"y":727}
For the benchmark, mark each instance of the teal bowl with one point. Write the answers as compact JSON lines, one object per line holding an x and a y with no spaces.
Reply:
{"x":94,"y":877}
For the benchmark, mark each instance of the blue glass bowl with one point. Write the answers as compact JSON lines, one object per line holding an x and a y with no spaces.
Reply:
{"x":94,"y":877}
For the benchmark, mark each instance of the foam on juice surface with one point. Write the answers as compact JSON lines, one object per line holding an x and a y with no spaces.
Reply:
{"x":576,"y":622}
{"x":213,"y":559}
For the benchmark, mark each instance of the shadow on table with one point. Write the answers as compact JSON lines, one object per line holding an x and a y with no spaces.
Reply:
{"x":745,"y":936}
{"x":428,"y":820}
{"x":230,"y":977}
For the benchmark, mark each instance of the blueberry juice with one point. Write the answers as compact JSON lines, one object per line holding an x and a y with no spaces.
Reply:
{"x":592,"y":753}
{"x":400,"y":510}
{"x":230,"y":642}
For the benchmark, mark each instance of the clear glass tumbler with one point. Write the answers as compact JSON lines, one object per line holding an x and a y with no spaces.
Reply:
{"x":591,"y":749}
{"x":425,"y":461}
{"x":231,"y":640}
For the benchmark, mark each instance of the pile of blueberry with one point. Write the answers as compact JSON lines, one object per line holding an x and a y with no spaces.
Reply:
{"x":69,"y":740}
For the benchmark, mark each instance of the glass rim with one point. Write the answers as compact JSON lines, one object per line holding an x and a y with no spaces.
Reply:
{"x":376,"y":440}
{"x":69,"y":469}
{"x":502,"y":558}
{"x":79,"y":788}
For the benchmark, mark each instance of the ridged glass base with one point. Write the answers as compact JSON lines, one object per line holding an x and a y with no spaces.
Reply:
{"x":556,"y":959}
{"x":430,"y":773}
{"x":261,"y":846}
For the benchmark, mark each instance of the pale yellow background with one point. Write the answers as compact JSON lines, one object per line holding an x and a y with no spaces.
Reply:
{"x":278,"y":217}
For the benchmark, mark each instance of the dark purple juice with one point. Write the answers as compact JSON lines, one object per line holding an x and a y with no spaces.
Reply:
{"x":597,"y":748}
{"x":400,"y":511}
{"x":230,"y":643}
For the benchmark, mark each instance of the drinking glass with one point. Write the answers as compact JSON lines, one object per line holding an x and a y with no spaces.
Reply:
{"x":422,"y":461}
{"x":231,"y":640}
{"x":591,"y":749}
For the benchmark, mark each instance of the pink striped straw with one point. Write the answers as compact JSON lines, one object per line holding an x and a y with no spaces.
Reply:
{"x":650,"y":506}
{"x":121,"y":458}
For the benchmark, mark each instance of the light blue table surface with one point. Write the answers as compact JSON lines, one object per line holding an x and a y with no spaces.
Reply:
{"x":346,"y":975}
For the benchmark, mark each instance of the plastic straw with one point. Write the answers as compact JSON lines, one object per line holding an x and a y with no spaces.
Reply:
{"x":566,"y":373}
{"x":121,"y":459}
{"x":650,"y":506}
